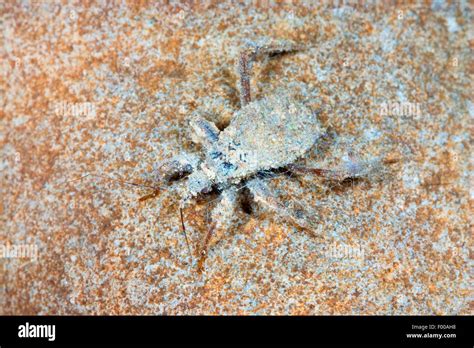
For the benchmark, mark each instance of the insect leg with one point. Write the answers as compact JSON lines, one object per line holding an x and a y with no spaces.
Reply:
{"x":222,"y":217}
{"x":244,"y":68}
{"x":178,"y":167}
{"x":324,"y":173}
{"x":254,"y":50}
{"x":204,"y":131}
{"x":348,"y":170}
{"x":291,"y":211}
{"x":173,"y":169}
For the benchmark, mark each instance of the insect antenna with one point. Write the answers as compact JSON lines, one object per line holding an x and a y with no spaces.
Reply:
{"x":111,"y":179}
{"x":155,"y":193}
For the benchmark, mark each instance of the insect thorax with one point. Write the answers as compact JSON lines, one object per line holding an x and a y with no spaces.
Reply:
{"x":265,"y":134}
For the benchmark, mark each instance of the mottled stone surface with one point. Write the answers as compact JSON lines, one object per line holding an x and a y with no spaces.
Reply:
{"x":109,"y":90}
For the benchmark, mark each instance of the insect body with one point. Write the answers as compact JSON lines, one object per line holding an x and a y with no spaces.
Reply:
{"x":264,"y":135}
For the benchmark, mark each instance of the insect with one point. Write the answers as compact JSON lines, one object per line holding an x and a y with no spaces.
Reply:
{"x":265,"y":135}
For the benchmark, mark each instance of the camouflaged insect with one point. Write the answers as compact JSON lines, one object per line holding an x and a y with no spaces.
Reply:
{"x":264,"y":135}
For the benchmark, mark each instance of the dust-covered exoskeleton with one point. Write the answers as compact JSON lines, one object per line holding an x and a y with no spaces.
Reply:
{"x":264,"y":135}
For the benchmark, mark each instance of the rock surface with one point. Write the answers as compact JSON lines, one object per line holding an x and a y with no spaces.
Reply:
{"x":108,"y":90}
